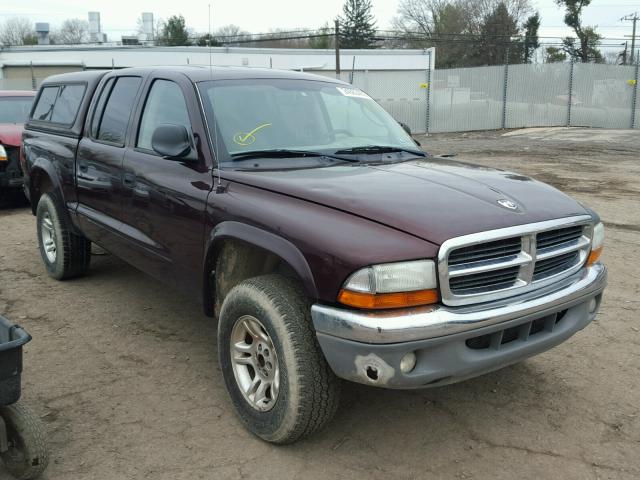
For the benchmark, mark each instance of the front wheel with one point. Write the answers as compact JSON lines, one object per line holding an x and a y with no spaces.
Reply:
{"x":278,"y":380}
{"x":28,"y":454}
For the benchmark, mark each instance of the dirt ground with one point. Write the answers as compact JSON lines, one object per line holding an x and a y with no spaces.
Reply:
{"x":123,"y":371}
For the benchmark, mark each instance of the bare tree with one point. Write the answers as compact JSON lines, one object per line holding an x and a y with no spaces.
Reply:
{"x":462,"y":30}
{"x":230,"y":33}
{"x":17,"y":31}
{"x":72,"y":32}
{"x":423,"y":15}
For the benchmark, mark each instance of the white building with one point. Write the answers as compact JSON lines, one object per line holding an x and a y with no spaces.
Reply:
{"x":18,"y":63}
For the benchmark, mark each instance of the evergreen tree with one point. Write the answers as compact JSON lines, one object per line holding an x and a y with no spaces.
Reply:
{"x":531,"y":41}
{"x":174,"y":32}
{"x":357,"y":25}
{"x":496,"y":32}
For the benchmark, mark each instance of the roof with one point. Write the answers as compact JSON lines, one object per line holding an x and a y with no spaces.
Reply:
{"x":84,"y":76}
{"x":17,"y":93}
{"x":195,"y":73}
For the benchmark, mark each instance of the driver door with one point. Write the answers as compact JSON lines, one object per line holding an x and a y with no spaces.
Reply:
{"x":165,"y":199}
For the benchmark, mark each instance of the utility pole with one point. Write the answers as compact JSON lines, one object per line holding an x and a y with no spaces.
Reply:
{"x":337,"y":42}
{"x":632,"y":18}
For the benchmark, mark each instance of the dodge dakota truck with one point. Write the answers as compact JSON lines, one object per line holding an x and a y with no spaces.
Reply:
{"x":310,"y":224}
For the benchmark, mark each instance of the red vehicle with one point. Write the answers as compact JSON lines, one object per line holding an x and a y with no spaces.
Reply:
{"x":306,"y":219}
{"x":15,"y":106}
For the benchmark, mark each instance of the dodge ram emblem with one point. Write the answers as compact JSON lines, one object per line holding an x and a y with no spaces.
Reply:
{"x":508,"y":204}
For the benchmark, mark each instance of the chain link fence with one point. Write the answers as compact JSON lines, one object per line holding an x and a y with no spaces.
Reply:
{"x":491,"y":98}
{"x":508,"y":96}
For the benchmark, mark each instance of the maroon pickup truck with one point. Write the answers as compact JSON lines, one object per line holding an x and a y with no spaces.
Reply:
{"x":310,"y":224}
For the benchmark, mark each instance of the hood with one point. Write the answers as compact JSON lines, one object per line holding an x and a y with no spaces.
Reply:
{"x":434,"y":199}
{"x":11,"y":134}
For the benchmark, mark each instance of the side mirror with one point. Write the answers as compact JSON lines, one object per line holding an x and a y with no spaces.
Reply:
{"x":171,"y":141}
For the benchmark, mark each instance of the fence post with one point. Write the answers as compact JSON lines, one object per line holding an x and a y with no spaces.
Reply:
{"x":634,"y":101}
{"x":34,"y":86}
{"x":570,"y":96}
{"x":505,"y":90}
{"x":428,"y":119}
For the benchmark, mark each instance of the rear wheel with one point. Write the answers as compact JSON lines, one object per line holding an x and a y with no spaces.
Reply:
{"x":279,"y":382}
{"x":28,"y":454}
{"x":65,"y":254}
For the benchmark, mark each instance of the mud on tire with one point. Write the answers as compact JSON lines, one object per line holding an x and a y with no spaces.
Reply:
{"x":65,"y":254}
{"x":308,"y":392}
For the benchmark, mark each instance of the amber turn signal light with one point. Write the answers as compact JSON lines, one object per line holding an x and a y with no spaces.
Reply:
{"x":381,"y":301}
{"x":594,"y":256}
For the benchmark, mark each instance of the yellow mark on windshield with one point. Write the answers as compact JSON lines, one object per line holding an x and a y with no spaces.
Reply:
{"x":246,"y":139}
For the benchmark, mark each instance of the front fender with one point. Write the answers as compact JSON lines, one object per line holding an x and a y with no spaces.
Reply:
{"x":269,"y":242}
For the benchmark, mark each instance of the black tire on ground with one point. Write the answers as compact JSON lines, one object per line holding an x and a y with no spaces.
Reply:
{"x":28,"y":454}
{"x":72,"y":252}
{"x":309,"y":391}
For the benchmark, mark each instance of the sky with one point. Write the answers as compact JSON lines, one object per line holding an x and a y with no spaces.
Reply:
{"x":118,"y":17}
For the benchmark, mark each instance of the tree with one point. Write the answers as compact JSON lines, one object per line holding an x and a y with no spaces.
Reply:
{"x":174,"y":32}
{"x":459,"y":28}
{"x":357,"y":25}
{"x":498,"y":29}
{"x":555,"y":55}
{"x":449,"y":34}
{"x":17,"y":31}
{"x":586,"y":49}
{"x":207,"y":40}
{"x":325,"y":40}
{"x":73,"y":31}
{"x":531,"y":42}
{"x":230,"y":33}
{"x":588,"y":40}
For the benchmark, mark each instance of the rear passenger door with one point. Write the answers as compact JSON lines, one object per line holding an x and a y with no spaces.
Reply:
{"x":165,"y":199}
{"x":99,"y":160}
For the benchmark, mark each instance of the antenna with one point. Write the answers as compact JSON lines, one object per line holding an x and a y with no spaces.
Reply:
{"x":219,"y":187}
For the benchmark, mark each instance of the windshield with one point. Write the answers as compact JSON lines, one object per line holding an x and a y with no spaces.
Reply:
{"x":301,"y":115}
{"x":15,"y":109}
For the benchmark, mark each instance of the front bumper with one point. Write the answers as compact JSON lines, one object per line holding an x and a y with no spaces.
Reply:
{"x":455,"y":343}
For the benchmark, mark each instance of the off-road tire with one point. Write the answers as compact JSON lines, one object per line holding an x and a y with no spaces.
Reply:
{"x":73,"y":252}
{"x":309,"y":391}
{"x":28,"y":454}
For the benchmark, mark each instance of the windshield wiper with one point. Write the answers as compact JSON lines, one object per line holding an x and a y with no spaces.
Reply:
{"x":379,"y":149}
{"x":286,"y":153}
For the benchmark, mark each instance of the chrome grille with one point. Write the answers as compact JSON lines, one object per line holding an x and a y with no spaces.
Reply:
{"x":486,"y":251}
{"x":500,"y":263}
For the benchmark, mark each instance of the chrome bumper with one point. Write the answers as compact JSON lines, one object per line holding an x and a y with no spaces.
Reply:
{"x":422,"y":323}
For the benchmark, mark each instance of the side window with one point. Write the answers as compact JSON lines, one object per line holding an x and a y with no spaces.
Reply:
{"x":45,"y":104}
{"x":67,"y":104}
{"x":165,"y":104}
{"x":114,"y":119}
{"x":97,"y":114}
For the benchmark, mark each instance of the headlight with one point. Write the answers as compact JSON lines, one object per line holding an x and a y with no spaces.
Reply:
{"x":391,"y":285}
{"x":597,"y":244}
{"x":3,"y":154}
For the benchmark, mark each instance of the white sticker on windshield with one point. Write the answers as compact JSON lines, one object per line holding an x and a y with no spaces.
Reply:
{"x":352,"y":92}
